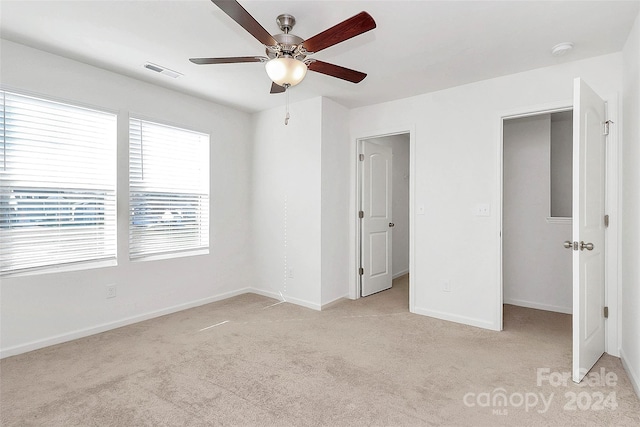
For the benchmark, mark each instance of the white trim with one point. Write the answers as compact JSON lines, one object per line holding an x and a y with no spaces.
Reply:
{"x":499,"y":316}
{"x":612,"y":233}
{"x":412,"y":217}
{"x":536,"y":110}
{"x":285,"y":298}
{"x":81,"y":333}
{"x":400,"y":273}
{"x":303,"y":303}
{"x":538,"y":306}
{"x":63,"y":268}
{"x":170,"y":255}
{"x":336,"y":301}
{"x":634,"y":376}
{"x":470,"y":321}
{"x":616,"y":228}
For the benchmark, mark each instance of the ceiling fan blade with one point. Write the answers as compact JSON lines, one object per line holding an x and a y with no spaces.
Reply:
{"x":354,"y":26}
{"x":230,"y":60}
{"x":246,"y":21}
{"x":332,"y":70}
{"x":276,"y":88}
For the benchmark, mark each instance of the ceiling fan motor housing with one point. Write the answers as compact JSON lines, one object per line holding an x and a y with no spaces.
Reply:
{"x":288,"y":44}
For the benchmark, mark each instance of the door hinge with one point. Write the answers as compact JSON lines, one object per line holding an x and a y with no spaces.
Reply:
{"x":606,"y":312}
{"x":606,"y":220}
{"x":361,"y":271}
{"x":361,"y":157}
{"x":605,"y":127}
{"x":361,"y":214}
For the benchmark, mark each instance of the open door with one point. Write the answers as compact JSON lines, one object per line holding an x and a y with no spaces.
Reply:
{"x":376,"y":204}
{"x":589,"y":120}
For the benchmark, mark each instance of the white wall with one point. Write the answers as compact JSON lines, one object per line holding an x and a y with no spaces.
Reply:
{"x":537,"y":269}
{"x":335,"y":201}
{"x":286,"y":203}
{"x":400,"y":188}
{"x":457,"y":134}
{"x":630,"y":262}
{"x":300,"y":203}
{"x":44,"y":309}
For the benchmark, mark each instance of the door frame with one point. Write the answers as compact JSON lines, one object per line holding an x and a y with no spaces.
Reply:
{"x":612,"y":238}
{"x":355,"y":196}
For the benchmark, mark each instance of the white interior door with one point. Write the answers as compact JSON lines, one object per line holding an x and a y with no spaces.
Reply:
{"x":377,"y":225}
{"x":588,"y":229}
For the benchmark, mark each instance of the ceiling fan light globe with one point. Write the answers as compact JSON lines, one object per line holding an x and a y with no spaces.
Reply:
{"x":286,"y":71}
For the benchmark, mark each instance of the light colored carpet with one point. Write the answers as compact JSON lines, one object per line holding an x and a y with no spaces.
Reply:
{"x":364,"y":362}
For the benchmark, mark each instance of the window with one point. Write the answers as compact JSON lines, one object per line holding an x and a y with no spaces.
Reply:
{"x":561,"y":164}
{"x":57,"y":184}
{"x":168,"y":190}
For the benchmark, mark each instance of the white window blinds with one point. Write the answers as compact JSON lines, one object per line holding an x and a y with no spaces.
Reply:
{"x":57,"y":184}
{"x":168,"y":189}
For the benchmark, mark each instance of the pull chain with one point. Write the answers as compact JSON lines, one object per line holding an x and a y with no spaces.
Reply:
{"x":286,"y":117}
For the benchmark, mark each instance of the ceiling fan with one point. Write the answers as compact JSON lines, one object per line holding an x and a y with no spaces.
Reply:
{"x":287,"y":57}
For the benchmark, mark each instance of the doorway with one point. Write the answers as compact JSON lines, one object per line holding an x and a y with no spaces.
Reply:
{"x":589,"y":218}
{"x":390,"y":261}
{"x":537,"y":211}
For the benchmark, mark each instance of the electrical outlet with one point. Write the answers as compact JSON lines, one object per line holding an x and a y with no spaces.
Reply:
{"x":111,"y":291}
{"x":483,"y":209}
{"x":446,"y":286}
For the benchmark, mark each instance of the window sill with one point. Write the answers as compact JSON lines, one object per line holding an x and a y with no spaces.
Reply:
{"x":171,"y":255}
{"x":66,"y":268}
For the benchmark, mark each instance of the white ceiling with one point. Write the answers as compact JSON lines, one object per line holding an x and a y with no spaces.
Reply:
{"x":417,"y":47}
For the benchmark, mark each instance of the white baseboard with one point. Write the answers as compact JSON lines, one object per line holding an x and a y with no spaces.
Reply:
{"x":334,"y":302}
{"x":286,"y":298}
{"x":634,"y":376}
{"x":297,"y":301}
{"x":400,"y":273}
{"x":81,"y":333}
{"x":480,"y":323}
{"x":268,"y":294}
{"x":538,"y":306}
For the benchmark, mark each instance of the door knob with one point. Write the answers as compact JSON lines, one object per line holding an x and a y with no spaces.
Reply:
{"x":587,"y":246}
{"x":391,"y":224}
{"x":568,"y":244}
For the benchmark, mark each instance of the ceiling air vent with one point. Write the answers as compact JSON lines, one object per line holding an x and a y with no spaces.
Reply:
{"x":162,"y":70}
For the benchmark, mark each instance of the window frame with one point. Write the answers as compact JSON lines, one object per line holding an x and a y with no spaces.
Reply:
{"x":110,"y":232}
{"x":205,"y":223}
